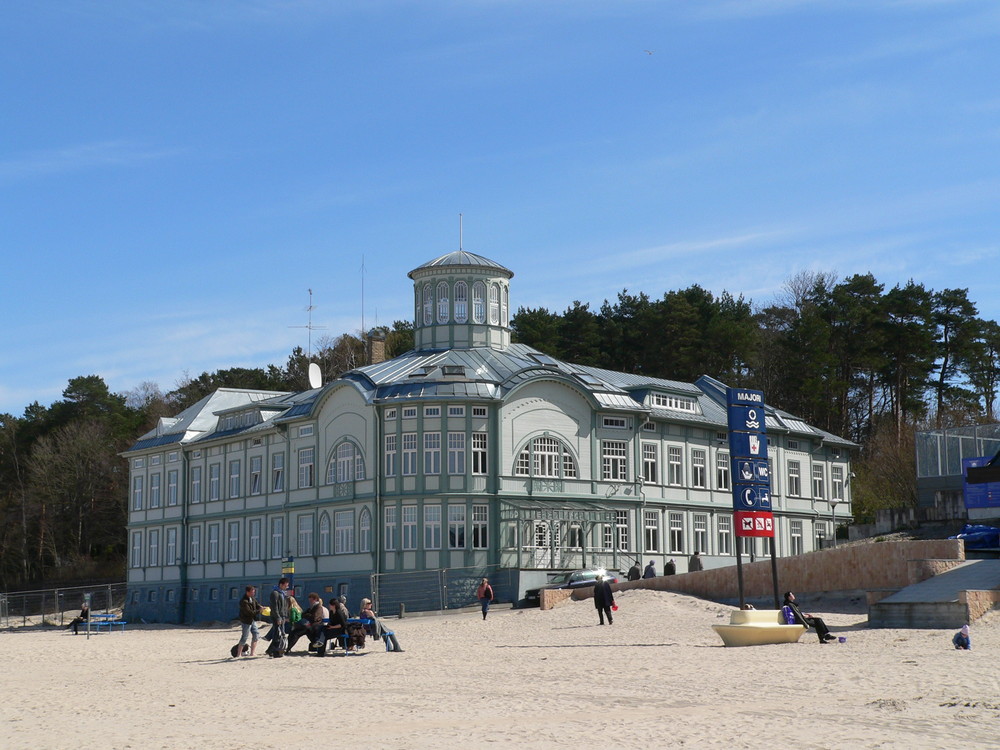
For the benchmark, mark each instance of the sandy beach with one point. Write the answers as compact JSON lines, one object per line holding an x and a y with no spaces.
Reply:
{"x":659,"y":677}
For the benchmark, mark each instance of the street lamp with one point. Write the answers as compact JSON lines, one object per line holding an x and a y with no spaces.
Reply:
{"x":833,"y":505}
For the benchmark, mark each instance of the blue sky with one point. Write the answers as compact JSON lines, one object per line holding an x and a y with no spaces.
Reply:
{"x":175,"y":175}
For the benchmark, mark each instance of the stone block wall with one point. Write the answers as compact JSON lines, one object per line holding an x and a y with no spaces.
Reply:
{"x":978,"y":603}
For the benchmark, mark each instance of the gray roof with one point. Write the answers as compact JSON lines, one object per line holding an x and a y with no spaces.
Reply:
{"x":463,"y":259}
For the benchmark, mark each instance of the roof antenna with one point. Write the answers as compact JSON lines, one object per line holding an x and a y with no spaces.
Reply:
{"x":460,"y":232}
{"x":364,"y":331}
{"x":310,"y":325}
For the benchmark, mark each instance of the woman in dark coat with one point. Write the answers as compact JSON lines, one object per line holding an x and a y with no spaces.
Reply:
{"x":604,"y":600}
{"x":794,"y":616}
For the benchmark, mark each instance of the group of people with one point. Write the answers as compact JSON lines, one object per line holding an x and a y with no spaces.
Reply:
{"x":319,"y":623}
{"x":694,"y":564}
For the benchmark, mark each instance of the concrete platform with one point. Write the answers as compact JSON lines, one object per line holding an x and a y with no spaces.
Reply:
{"x":936,"y":602}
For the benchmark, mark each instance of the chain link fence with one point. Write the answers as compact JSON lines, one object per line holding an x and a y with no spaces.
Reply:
{"x":57,"y":607}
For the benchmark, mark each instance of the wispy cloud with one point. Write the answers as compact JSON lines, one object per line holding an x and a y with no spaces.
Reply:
{"x":100,"y":155}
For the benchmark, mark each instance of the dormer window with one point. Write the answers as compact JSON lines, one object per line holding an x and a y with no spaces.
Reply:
{"x":674,"y":402}
{"x":421,"y":372}
{"x":453,"y":370}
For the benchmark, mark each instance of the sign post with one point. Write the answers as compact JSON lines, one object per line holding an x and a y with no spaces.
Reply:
{"x":751,"y":476}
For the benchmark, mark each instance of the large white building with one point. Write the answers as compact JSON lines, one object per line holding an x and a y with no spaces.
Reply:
{"x":412,"y":478}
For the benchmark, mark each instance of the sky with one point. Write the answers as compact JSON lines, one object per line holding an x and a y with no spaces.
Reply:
{"x":176,"y":175}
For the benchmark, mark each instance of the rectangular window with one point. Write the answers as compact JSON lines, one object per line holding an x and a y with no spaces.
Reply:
{"x":432,"y":453}
{"x":254,"y":539}
{"x":478,"y":452}
{"x":747,"y":546}
{"x":213,"y":543}
{"x":820,"y":530}
{"x":456,"y":452}
{"x":796,"y":531}
{"x":675,"y":470}
{"x":307,"y":467}
{"x":305,"y":535}
{"x":277,"y":538}
{"x":432,"y":527}
{"x":676,"y":532}
{"x":479,"y":411}
{"x":432,"y":411}
{"x":724,"y":534}
{"x":324,"y":534}
{"x":391,"y":530}
{"x":155,"y":460}
{"x":699,"y":522}
{"x":154,"y":490}
{"x":170,"y":554}
{"x":390,"y":455}
{"x":621,"y":529}
{"x":409,"y":454}
{"x":837,"y":480}
{"x":607,"y":537}
{"x":456,"y":526}
{"x":343,"y":532}
{"x":409,"y":527}
{"x":651,"y":463}
{"x":699,"y":474}
{"x":722,"y":471}
{"x":389,"y":414}
{"x":234,"y":478}
{"x":818,"y":481}
{"x":234,"y":541}
{"x":278,"y":472}
{"x":614,"y":459}
{"x":214,"y":480}
{"x":365,"y":532}
{"x":136,"y":558}
{"x":195,"y":545}
{"x":306,"y":430}
{"x":409,"y":412}
{"x":672,"y":401}
{"x":574,"y":537}
{"x":651,"y":530}
{"x":456,"y":411}
{"x":480,"y":526}
{"x":615,"y":423}
{"x":195,"y":484}
{"x":794,"y":479}
{"x":256,"y":470}
{"x":138,"y":463}
{"x":649,"y":427}
{"x":172,"y":488}
{"x":136,"y":496}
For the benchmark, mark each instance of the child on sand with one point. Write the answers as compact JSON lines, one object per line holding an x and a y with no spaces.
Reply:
{"x":962,"y":640}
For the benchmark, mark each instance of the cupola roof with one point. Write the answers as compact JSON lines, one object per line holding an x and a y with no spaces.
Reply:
{"x":462,"y":259}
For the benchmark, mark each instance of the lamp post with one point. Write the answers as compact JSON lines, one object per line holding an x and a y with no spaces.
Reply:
{"x":833,"y":505}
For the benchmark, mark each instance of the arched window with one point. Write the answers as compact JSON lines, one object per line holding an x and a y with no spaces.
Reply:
{"x":324,"y":534}
{"x":416,"y":307}
{"x":443,"y":302}
{"x":365,"y":531}
{"x":479,"y":302}
{"x":461,"y":302}
{"x":494,"y":304}
{"x":504,"y":307}
{"x":428,"y":305}
{"x":346,"y":465}
{"x":545,"y":457}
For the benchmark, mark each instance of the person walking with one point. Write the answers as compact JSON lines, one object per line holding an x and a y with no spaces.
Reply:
{"x":604,"y":600}
{"x":485,"y":596}
{"x":279,"y":616}
{"x":650,"y":571}
{"x":250,"y":610}
{"x":634,"y":574}
{"x":694,"y":564}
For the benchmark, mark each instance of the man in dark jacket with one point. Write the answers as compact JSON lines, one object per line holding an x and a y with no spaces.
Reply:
{"x":249,"y":612}
{"x":633,"y":573}
{"x":604,"y":600}
{"x":279,"y":616}
{"x":794,"y":616}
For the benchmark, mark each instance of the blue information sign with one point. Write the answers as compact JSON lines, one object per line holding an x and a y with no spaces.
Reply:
{"x":748,"y":458}
{"x":985,"y":495}
{"x":751,"y":497}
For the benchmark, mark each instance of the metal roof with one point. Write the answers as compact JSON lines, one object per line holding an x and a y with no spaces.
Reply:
{"x":462,"y":259}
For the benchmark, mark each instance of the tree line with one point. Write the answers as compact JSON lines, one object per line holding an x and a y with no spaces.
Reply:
{"x":847,"y":355}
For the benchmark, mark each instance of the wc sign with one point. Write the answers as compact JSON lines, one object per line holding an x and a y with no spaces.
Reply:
{"x":747,"y":421}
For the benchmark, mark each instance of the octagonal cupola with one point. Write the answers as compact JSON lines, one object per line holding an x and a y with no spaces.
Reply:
{"x":461,"y":300}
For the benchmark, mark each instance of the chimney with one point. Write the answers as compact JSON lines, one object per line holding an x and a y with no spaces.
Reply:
{"x":376,"y":346}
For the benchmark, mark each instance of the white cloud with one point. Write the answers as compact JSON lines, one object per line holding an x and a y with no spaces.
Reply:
{"x":80,"y":157}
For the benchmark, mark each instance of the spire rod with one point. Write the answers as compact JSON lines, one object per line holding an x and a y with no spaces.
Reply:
{"x":460,"y":232}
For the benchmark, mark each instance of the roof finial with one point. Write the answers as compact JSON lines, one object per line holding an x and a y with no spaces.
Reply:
{"x":460,"y":232}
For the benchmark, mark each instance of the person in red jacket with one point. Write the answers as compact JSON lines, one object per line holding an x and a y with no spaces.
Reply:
{"x":485,"y":595}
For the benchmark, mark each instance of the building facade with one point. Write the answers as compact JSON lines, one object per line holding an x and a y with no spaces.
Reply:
{"x":411,"y":478}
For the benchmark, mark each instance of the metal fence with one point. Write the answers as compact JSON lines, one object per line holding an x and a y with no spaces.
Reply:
{"x":441,"y":589}
{"x":57,"y":606}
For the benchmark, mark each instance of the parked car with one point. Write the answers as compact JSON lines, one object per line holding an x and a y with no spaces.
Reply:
{"x":575,"y":579}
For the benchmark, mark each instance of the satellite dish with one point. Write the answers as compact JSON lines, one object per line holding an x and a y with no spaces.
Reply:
{"x":315,"y":378}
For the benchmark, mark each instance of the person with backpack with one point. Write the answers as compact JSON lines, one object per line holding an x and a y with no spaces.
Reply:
{"x":250,"y":610}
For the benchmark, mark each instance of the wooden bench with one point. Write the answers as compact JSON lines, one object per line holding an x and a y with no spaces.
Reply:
{"x":757,"y":627}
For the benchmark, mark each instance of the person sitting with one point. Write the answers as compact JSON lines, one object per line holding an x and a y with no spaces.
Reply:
{"x":84,"y":616}
{"x":793,"y":616}
{"x":337,"y":627}
{"x":311,"y":625}
{"x":377,"y":629}
{"x":962,"y":640}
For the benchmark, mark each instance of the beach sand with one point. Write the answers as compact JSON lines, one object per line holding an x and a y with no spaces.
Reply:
{"x":659,"y":677}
